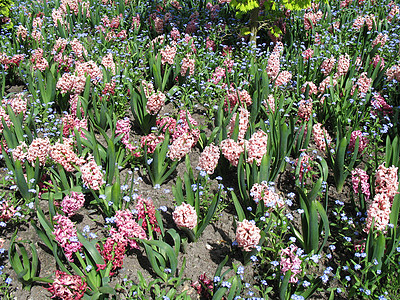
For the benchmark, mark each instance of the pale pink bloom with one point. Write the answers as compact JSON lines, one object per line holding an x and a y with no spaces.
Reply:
{"x":379,"y":104}
{"x":59,"y":46}
{"x":311,"y":19}
{"x":363,"y":84}
{"x":73,"y":102}
{"x":151,"y":140}
{"x":257,"y":147}
{"x":345,"y":3}
{"x":123,"y":127}
{"x":67,"y":287}
{"x":181,"y":146}
{"x":19,"y":153}
{"x":305,"y":166}
{"x":72,"y":203}
{"x":235,"y":96}
{"x":305,"y":109}
{"x":326,"y":83}
{"x":266,"y":193}
{"x":21,"y":33}
{"x":319,"y":134}
{"x":380,"y":40}
{"x":168,"y":55}
{"x":78,"y":48}
{"x":231,"y":150}
{"x":379,"y":211}
{"x":377,"y":59}
{"x":244,"y":116}
{"x":155,"y":102}
{"x":343,"y":64}
{"x":328,"y":65}
{"x":283,"y":78}
{"x":7,"y":210}
{"x":92,"y":176}
{"x":393,"y":12}
{"x":273,"y":66}
{"x":175,"y":34}
{"x":217,"y":75}
{"x":187,"y":64}
{"x":290,"y":261}
{"x":386,"y":181}
{"x":247,"y":235}
{"x":359,"y":176}
{"x":270,"y":103}
{"x":167,"y":123}
{"x":363,"y":141}
{"x":108,"y":62}
{"x":64,"y":154}
{"x":185,"y":216}
{"x":40,"y":63}
{"x":182,"y":125}
{"x":39,"y":148}
{"x":147,"y":212}
{"x":369,"y":21}
{"x":71,"y":83}
{"x":358,"y":22}
{"x":209,"y":159}
{"x":37,"y":35}
{"x":148,"y":88}
{"x":312,"y":88}
{"x":70,"y":123}
{"x":66,"y":235}
{"x":136,"y":21}
{"x":58,"y":15}
{"x":91,"y":69}
{"x":4,"y":116}
{"x":307,"y":54}
{"x":128,"y":229}
{"x":393,"y":73}
{"x":17,"y":102}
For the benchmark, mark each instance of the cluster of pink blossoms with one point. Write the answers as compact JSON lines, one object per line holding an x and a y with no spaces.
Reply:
{"x":343,"y":64}
{"x":38,"y":149}
{"x":386,"y":186}
{"x":72,"y":203}
{"x":244,"y":116}
{"x":128,"y":229}
{"x":379,"y":104}
{"x":266,"y":193}
{"x":18,"y":103}
{"x":311,"y":19}
{"x":290,"y":261}
{"x":70,"y":123}
{"x":269,"y":104}
{"x":19,"y":153}
{"x":67,"y":287}
{"x":185,"y":216}
{"x":363,"y":84}
{"x":147,"y":212}
{"x":92,"y":176}
{"x":363,"y":141}
{"x":231,"y":150}
{"x":113,"y":250}
{"x":151,"y":141}
{"x":155,"y":102}
{"x":123,"y":127}
{"x":183,"y":144}
{"x":235,"y":96}
{"x":64,"y":154}
{"x":208,"y":160}
{"x":257,"y":147}
{"x":359,"y":178}
{"x":7,"y":211}
{"x":319,"y":135}
{"x":305,"y":109}
{"x":66,"y":235}
{"x":39,"y":62}
{"x":71,"y":83}
{"x":108,"y":62}
{"x":328,"y":65}
{"x":247,"y":235}
{"x":168,"y":55}
{"x":387,"y":181}
{"x":187,"y":64}
{"x":305,"y":166}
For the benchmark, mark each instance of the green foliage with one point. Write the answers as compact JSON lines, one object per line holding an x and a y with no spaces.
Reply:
{"x":5,"y":6}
